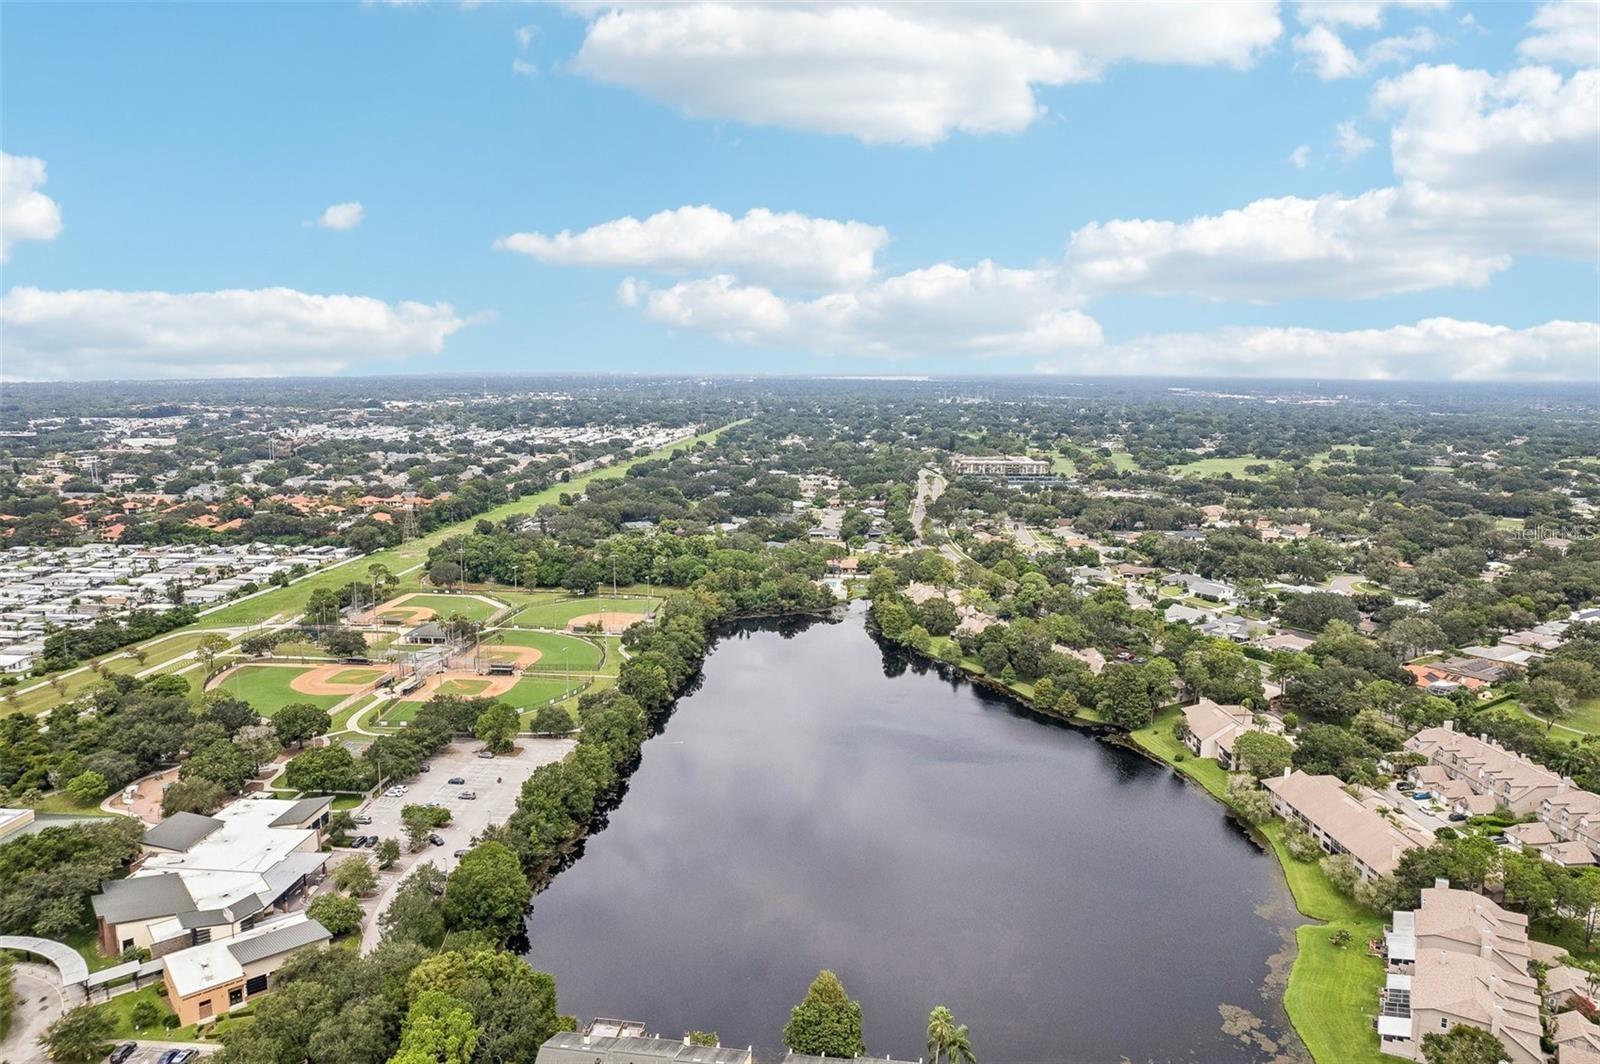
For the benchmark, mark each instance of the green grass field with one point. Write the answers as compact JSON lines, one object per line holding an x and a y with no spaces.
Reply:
{"x":1583,"y":720}
{"x":474,"y":609}
{"x":462,"y":688}
{"x":356,"y":675}
{"x":267,"y":689}
{"x":557,"y":614}
{"x":1123,"y":462}
{"x":1060,"y":463}
{"x":556,"y":651}
{"x":1216,"y":467}
{"x":534,"y":691}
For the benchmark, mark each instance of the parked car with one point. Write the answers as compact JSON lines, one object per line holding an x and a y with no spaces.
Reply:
{"x":436,"y":839}
{"x":460,"y":854}
{"x":485,"y":754}
{"x":1421,"y":796}
{"x":122,"y":1052}
{"x":469,"y":796}
{"x":457,"y":779}
{"x":363,"y":819}
{"x":1458,"y":817}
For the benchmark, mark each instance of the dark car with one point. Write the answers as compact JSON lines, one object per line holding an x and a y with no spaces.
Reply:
{"x":122,"y":1052}
{"x":1458,"y":817}
{"x":458,"y":779}
{"x":460,"y":854}
{"x":436,"y":839}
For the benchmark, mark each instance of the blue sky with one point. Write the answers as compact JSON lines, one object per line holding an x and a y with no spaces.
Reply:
{"x":166,"y":167}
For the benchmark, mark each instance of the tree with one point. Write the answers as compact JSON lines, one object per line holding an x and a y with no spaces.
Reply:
{"x":1125,"y":700}
{"x":1262,"y":754}
{"x":487,"y":891}
{"x":443,"y":574}
{"x":496,"y":726}
{"x":704,"y":1038}
{"x":145,"y":1013}
{"x":1548,"y":699}
{"x":947,"y":1040}
{"x":388,"y":852}
{"x":827,"y":1021}
{"x":438,"y":1030}
{"x":79,"y":1037}
{"x":299,"y":721}
{"x":87,"y":788}
{"x":414,"y":914}
{"x":420,"y":820}
{"x":210,"y":645}
{"x":338,"y":913}
{"x":551,"y":720}
{"x":1462,"y":1044}
{"x":354,"y":875}
{"x":192,"y":796}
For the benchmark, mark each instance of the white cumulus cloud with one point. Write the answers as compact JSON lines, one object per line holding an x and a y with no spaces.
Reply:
{"x":1564,"y":32}
{"x":1350,"y":141}
{"x":900,"y":73}
{"x":25,"y":212}
{"x":342,"y":216}
{"x":1488,"y":165}
{"x":1300,"y":157}
{"x":983,"y":310}
{"x":1358,"y":14}
{"x":781,"y":247}
{"x":1433,"y":349}
{"x":270,"y":332}
{"x":1332,"y":59}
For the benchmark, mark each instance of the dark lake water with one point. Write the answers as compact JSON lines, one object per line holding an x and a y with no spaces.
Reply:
{"x":820,"y":801}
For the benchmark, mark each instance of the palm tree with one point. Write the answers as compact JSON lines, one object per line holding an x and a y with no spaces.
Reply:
{"x":948,"y":1040}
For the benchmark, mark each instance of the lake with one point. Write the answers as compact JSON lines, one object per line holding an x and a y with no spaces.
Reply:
{"x":820,"y":801}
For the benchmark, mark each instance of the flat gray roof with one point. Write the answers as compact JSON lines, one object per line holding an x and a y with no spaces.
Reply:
{"x":301,"y":811}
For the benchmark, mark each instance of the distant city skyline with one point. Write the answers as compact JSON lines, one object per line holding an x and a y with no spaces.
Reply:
{"x":1365,"y":190}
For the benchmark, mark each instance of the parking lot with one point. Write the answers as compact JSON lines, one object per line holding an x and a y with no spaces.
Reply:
{"x":496,"y":781}
{"x":152,"y":1052}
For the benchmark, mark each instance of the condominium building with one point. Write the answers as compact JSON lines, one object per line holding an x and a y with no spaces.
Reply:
{"x":1361,"y":824}
{"x":1487,"y":767}
{"x":1008,"y":467}
{"x":1212,"y":729}
{"x":1459,"y":959}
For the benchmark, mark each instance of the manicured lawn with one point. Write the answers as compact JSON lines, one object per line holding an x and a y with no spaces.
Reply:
{"x":462,"y":688}
{"x":355,"y":675}
{"x":120,"y":1011}
{"x":556,"y":650}
{"x":1060,"y":463}
{"x":267,"y":689}
{"x":444,"y":605}
{"x":1216,"y":467}
{"x":62,"y":802}
{"x":1583,"y":720}
{"x":1123,"y":462}
{"x":532,"y":692}
{"x":557,"y":614}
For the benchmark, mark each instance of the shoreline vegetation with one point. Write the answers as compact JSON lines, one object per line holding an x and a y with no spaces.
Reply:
{"x":1332,"y":990}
